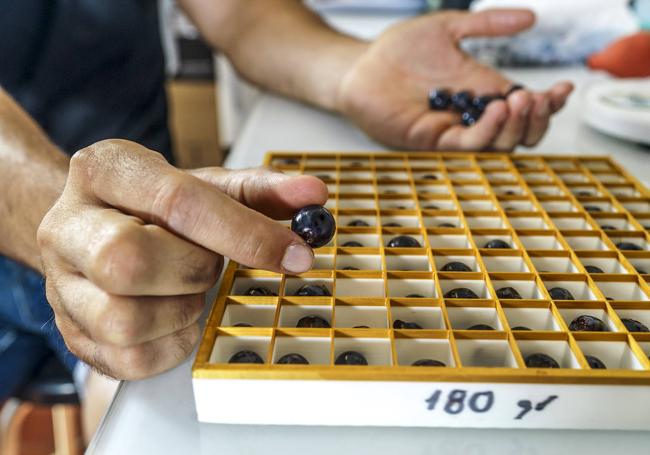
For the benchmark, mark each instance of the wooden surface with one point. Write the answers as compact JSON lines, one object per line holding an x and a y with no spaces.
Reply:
{"x":193,"y":123}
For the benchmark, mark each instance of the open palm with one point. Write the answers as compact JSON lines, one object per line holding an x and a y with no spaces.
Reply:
{"x":385,"y":92}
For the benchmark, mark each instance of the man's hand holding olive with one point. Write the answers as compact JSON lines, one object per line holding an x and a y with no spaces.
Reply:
{"x":133,"y":244}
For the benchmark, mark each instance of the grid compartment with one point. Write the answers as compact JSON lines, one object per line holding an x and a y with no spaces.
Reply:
{"x":607,"y":265}
{"x":486,"y":353}
{"x":640,"y":264}
{"x":586,"y":243}
{"x":638,"y":241}
{"x":558,"y":350}
{"x":365,"y":240}
{"x":505,"y":264}
{"x":479,"y":287}
{"x":547,"y":190}
{"x":641,"y":315}
{"x":254,"y":315}
{"x":540,"y":242}
{"x":570,"y":314}
{"x":508,"y":190}
{"x":346,"y":220}
{"x":397,"y":204}
{"x":316,"y":350}
{"x":464,"y":318}
{"x":355,"y":316}
{"x":410,"y":350}
{"x":485,"y":222}
{"x":292,"y":285}
{"x":368,"y":204}
{"x":579,"y":289}
{"x":525,"y":222}
{"x":411,"y":287}
{"x":359,"y":262}
{"x":359,"y":287}
{"x":527,"y":289}
{"x":538,"y":319}
{"x":482,"y":241}
{"x":388,"y":237}
{"x":448,"y":241}
{"x":440,"y":221}
{"x":291,"y":314}
{"x":426,"y":317}
{"x":437,"y":204}
{"x":400,"y":221}
{"x":559,"y":206}
{"x":226,"y":346}
{"x":375,"y":350}
{"x":323,"y":261}
{"x":622,"y":290}
{"x":620,"y":224}
{"x":242,"y":285}
{"x":615,"y":355}
{"x":469,"y":261}
{"x":553,"y":264}
{"x":518,"y":206}
{"x":407,"y":263}
{"x":571,"y":223}
{"x":477,"y":205}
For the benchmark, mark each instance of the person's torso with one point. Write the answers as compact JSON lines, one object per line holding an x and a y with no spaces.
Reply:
{"x":86,"y":70}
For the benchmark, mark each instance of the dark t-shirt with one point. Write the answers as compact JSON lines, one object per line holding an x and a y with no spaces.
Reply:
{"x":87,"y":70}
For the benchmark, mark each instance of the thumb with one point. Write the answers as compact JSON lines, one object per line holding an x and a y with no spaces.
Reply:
{"x":270,"y":192}
{"x":491,"y":22}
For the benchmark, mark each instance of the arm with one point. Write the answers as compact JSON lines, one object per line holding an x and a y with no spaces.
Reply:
{"x":382,"y":86}
{"x":279,"y":45}
{"x":32,"y":175}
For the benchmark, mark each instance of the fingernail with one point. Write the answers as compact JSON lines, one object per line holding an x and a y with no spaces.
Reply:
{"x":524,"y":112}
{"x":297,"y":258}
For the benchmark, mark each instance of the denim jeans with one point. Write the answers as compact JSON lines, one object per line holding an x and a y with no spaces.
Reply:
{"x":28,"y":333}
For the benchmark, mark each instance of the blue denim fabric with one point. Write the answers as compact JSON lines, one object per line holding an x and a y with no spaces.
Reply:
{"x":28,"y":333}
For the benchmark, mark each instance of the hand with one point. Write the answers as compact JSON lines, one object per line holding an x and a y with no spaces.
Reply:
{"x":133,"y":244}
{"x":385,"y":91}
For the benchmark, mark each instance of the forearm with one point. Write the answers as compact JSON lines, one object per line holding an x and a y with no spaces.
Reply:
{"x":279,"y":45}
{"x":32,"y":175}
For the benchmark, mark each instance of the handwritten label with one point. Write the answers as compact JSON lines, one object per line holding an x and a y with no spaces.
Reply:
{"x":457,"y":401}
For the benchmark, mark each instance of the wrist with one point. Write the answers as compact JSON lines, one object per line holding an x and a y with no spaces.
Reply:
{"x":328,"y":74}
{"x":46,"y":181}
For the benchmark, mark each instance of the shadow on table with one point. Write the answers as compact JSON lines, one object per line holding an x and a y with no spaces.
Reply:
{"x":254,"y":439}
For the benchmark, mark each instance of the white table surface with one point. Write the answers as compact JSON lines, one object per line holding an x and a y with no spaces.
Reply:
{"x":158,"y":416}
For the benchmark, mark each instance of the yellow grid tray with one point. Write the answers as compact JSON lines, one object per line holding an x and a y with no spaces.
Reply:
{"x":550,"y":209}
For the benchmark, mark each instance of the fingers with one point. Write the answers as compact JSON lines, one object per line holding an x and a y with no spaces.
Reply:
{"x":492,"y":22}
{"x":481,"y":134}
{"x":538,"y":119}
{"x":514,"y":128}
{"x":123,"y":256}
{"x":132,"y":362}
{"x":426,"y":132}
{"x":544,"y":105}
{"x":522,"y":119}
{"x":116,"y":320}
{"x":267,"y":191}
{"x":149,"y":188}
{"x":559,"y":94}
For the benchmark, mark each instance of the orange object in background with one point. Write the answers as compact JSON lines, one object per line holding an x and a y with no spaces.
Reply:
{"x":625,"y":57}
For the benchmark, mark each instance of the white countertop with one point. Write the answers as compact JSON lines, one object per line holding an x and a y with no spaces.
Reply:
{"x":158,"y":416}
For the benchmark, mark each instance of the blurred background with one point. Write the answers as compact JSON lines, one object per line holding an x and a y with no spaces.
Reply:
{"x":209,"y":104}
